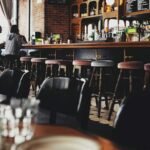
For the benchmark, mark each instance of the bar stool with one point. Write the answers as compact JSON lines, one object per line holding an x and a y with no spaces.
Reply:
{"x":25,"y":63}
{"x":58,"y":68}
{"x":100,"y":71}
{"x":81,"y":68}
{"x":37,"y":72}
{"x":134,"y":76}
{"x":147,"y":76}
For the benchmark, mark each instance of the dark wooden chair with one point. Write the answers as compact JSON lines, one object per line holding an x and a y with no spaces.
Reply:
{"x":132,"y":123}
{"x":68,"y":96}
{"x":14,"y":83}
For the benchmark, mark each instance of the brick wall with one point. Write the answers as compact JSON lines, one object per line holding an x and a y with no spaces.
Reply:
{"x":45,"y":18}
{"x":57,"y":19}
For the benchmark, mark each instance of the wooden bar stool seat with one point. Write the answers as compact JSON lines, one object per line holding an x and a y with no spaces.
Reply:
{"x":102,"y":63}
{"x":101,"y":69}
{"x":147,"y":67}
{"x":82,"y":62}
{"x":81,"y":68}
{"x":25,"y":59}
{"x":25,"y":63}
{"x":130,"y":65}
{"x":58,"y":67}
{"x":131,"y":71}
{"x":37,"y":71}
{"x":38,"y":60}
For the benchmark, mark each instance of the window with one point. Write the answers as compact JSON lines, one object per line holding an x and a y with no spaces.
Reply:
{"x":5,"y":27}
{"x":14,"y":12}
{"x":4,"y":23}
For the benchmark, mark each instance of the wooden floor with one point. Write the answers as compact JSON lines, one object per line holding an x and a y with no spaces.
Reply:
{"x":104,"y":113}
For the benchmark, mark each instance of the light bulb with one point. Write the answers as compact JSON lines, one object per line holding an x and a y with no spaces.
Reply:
{"x":39,"y":1}
{"x":110,"y":2}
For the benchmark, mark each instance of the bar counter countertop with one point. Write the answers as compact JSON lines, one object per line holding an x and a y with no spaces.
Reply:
{"x":90,"y":45}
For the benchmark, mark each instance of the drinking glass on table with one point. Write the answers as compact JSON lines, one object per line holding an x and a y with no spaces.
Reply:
{"x":18,"y":119}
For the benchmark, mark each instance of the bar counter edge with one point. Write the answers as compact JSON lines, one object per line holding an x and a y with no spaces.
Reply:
{"x":91,"y":45}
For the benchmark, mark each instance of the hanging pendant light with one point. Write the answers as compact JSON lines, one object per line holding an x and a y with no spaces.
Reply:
{"x":39,"y":1}
{"x":110,"y":2}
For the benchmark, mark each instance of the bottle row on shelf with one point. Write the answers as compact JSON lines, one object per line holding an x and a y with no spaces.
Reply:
{"x":134,"y":32}
{"x":51,"y":38}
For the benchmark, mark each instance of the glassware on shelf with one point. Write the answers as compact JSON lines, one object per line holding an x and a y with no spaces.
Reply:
{"x":92,"y":12}
{"x":83,"y":10}
{"x":75,"y":11}
{"x":92,"y":8}
{"x":96,"y":34}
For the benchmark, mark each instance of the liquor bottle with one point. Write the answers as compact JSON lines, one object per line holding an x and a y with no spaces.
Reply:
{"x":33,"y":39}
{"x":96,"y":34}
{"x":51,"y":38}
{"x":123,"y":36}
{"x":104,"y":6}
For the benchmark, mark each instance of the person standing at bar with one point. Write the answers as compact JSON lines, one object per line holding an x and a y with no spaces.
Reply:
{"x":13,"y":44}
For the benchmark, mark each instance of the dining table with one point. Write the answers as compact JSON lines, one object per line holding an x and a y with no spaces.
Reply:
{"x":47,"y":130}
{"x":53,"y":130}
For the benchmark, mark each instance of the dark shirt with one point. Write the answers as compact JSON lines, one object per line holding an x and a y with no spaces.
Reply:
{"x":1,"y":45}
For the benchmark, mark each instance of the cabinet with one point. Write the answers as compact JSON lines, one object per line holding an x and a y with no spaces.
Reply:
{"x":83,"y":14}
{"x":89,"y":15}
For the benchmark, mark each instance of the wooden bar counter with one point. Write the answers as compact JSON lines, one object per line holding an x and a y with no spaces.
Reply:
{"x":91,"y":45}
{"x":117,"y":51}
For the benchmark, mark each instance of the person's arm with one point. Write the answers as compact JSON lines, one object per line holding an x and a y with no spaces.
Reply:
{"x":23,"y":39}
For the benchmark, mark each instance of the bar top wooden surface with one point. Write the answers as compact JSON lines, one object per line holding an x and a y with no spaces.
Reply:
{"x":90,"y":45}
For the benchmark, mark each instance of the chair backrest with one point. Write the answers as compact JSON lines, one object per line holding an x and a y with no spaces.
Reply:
{"x":14,"y":83}
{"x":66,"y":95}
{"x":132,"y":123}
{"x":23,"y":86}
